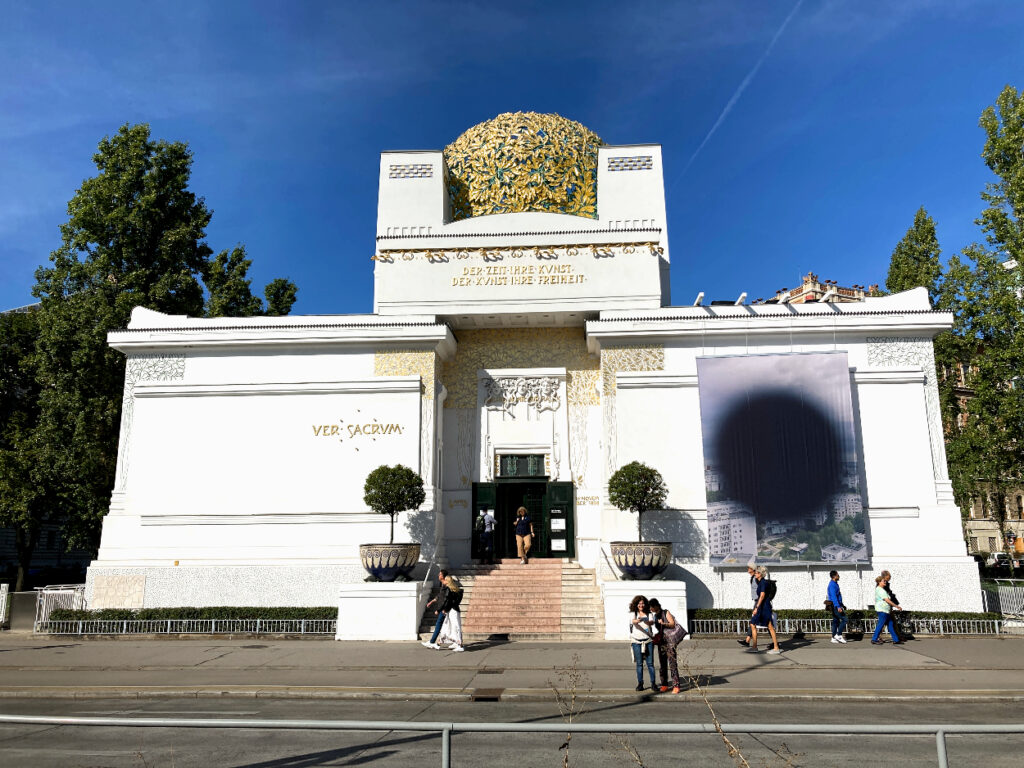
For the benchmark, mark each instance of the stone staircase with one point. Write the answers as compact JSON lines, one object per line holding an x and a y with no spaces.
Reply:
{"x":545,"y":600}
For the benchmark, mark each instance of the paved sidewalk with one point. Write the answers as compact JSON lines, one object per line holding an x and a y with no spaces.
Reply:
{"x":946,"y":668}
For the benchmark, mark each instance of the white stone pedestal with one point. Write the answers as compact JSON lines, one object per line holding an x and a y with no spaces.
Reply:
{"x":618,"y":594}
{"x":381,"y":611}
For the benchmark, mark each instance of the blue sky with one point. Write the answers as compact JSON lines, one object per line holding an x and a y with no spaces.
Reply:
{"x":860,"y":112}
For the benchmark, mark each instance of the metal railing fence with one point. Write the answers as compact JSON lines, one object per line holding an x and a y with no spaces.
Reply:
{"x":1011,"y":597}
{"x":446,"y":729}
{"x":51,"y":597}
{"x":189,"y":627}
{"x":919,"y":626}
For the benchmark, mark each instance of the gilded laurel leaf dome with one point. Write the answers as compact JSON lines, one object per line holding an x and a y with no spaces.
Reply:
{"x":523,"y":161}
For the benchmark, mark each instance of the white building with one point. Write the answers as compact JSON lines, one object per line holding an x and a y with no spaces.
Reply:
{"x":521,"y":309}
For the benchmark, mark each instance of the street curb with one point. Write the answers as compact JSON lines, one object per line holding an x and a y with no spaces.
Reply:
{"x":493,"y":695}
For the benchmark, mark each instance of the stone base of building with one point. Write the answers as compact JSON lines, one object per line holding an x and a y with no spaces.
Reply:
{"x":381,"y":611}
{"x":201,"y":586}
{"x":618,"y":594}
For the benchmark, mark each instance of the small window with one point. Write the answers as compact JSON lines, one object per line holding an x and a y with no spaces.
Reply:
{"x":974,"y":543}
{"x":992,"y":544}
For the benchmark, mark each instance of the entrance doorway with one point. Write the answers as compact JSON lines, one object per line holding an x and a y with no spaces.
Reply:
{"x":550,"y":506}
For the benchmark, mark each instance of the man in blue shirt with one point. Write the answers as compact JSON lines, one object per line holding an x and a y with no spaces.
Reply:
{"x":839,"y":617}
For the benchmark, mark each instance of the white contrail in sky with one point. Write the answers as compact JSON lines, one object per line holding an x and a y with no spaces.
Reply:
{"x":742,"y":87}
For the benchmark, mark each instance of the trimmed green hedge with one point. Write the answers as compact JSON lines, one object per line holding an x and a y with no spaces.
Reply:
{"x":212,"y":612}
{"x":821,"y":613}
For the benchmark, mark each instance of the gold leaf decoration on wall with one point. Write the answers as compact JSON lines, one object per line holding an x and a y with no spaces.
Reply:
{"x":521,"y":348}
{"x":408,"y":362}
{"x":523,"y":161}
{"x":629,"y":358}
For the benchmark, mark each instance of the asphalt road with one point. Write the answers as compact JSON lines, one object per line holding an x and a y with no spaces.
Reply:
{"x":39,"y":746}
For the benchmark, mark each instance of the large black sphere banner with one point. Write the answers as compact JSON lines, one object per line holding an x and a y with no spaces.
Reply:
{"x":780,"y":459}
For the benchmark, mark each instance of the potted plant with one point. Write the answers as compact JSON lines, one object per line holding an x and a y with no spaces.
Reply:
{"x":638,"y":488}
{"x":388,"y":491}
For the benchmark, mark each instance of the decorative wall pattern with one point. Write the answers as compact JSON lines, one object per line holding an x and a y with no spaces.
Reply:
{"x":503,"y":392}
{"x":631,"y":358}
{"x":895,"y":351}
{"x":578,"y":445}
{"x":521,"y":348}
{"x":523,"y":161}
{"x":141,"y":368}
{"x":118,"y":590}
{"x":414,"y":362}
{"x":634,"y":163}
{"x":464,"y":450}
{"x":411,"y":171}
{"x":538,"y":252}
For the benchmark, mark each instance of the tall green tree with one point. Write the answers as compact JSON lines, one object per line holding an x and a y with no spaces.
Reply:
{"x":984,"y":288}
{"x":231,"y":289}
{"x":24,"y":506}
{"x":1003,"y":219}
{"x":915,"y":260}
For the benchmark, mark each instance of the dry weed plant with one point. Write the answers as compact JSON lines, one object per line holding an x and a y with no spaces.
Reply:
{"x":571,"y":684}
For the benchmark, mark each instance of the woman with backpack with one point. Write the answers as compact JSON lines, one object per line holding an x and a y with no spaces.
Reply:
{"x":761,"y":618}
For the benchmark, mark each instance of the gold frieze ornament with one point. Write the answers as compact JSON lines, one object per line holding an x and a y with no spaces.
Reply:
{"x":523,"y":161}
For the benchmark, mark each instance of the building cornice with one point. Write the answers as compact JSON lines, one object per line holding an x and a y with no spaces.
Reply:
{"x":406,"y":335}
{"x":756,"y":322}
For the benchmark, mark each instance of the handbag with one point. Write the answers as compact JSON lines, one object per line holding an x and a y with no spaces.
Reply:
{"x":830,"y":606}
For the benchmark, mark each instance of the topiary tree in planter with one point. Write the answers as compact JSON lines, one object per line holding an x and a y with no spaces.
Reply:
{"x":390,"y":490}
{"x":638,"y":488}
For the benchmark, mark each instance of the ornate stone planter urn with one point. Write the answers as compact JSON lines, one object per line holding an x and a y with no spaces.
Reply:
{"x":641,"y":560}
{"x":387,"y":562}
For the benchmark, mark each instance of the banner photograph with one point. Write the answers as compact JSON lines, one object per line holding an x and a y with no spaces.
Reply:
{"x":780,"y":459}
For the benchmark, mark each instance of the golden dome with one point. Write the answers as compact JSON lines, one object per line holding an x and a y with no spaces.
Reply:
{"x":523,"y":161}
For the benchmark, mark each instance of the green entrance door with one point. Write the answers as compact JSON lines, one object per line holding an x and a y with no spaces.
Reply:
{"x":549,"y":505}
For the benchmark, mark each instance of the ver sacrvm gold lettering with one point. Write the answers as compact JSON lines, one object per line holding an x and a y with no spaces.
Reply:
{"x":518,"y":274}
{"x":355,"y":430}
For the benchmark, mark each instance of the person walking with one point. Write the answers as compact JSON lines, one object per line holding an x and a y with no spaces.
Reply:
{"x":641,"y":639}
{"x":753,"y":600}
{"x":487,"y":535}
{"x":671,"y":633}
{"x":762,"y":617}
{"x":524,"y":534}
{"x":834,"y":602}
{"x":440,"y":600}
{"x":451,"y":630}
{"x":897,"y":628}
{"x":884,"y":606}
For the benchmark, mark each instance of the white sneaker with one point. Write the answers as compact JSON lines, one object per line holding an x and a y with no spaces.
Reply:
{"x":775,"y":651}
{"x":457,"y":649}
{"x":840,"y":638}
{"x":835,"y":639}
{"x":435,"y":646}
